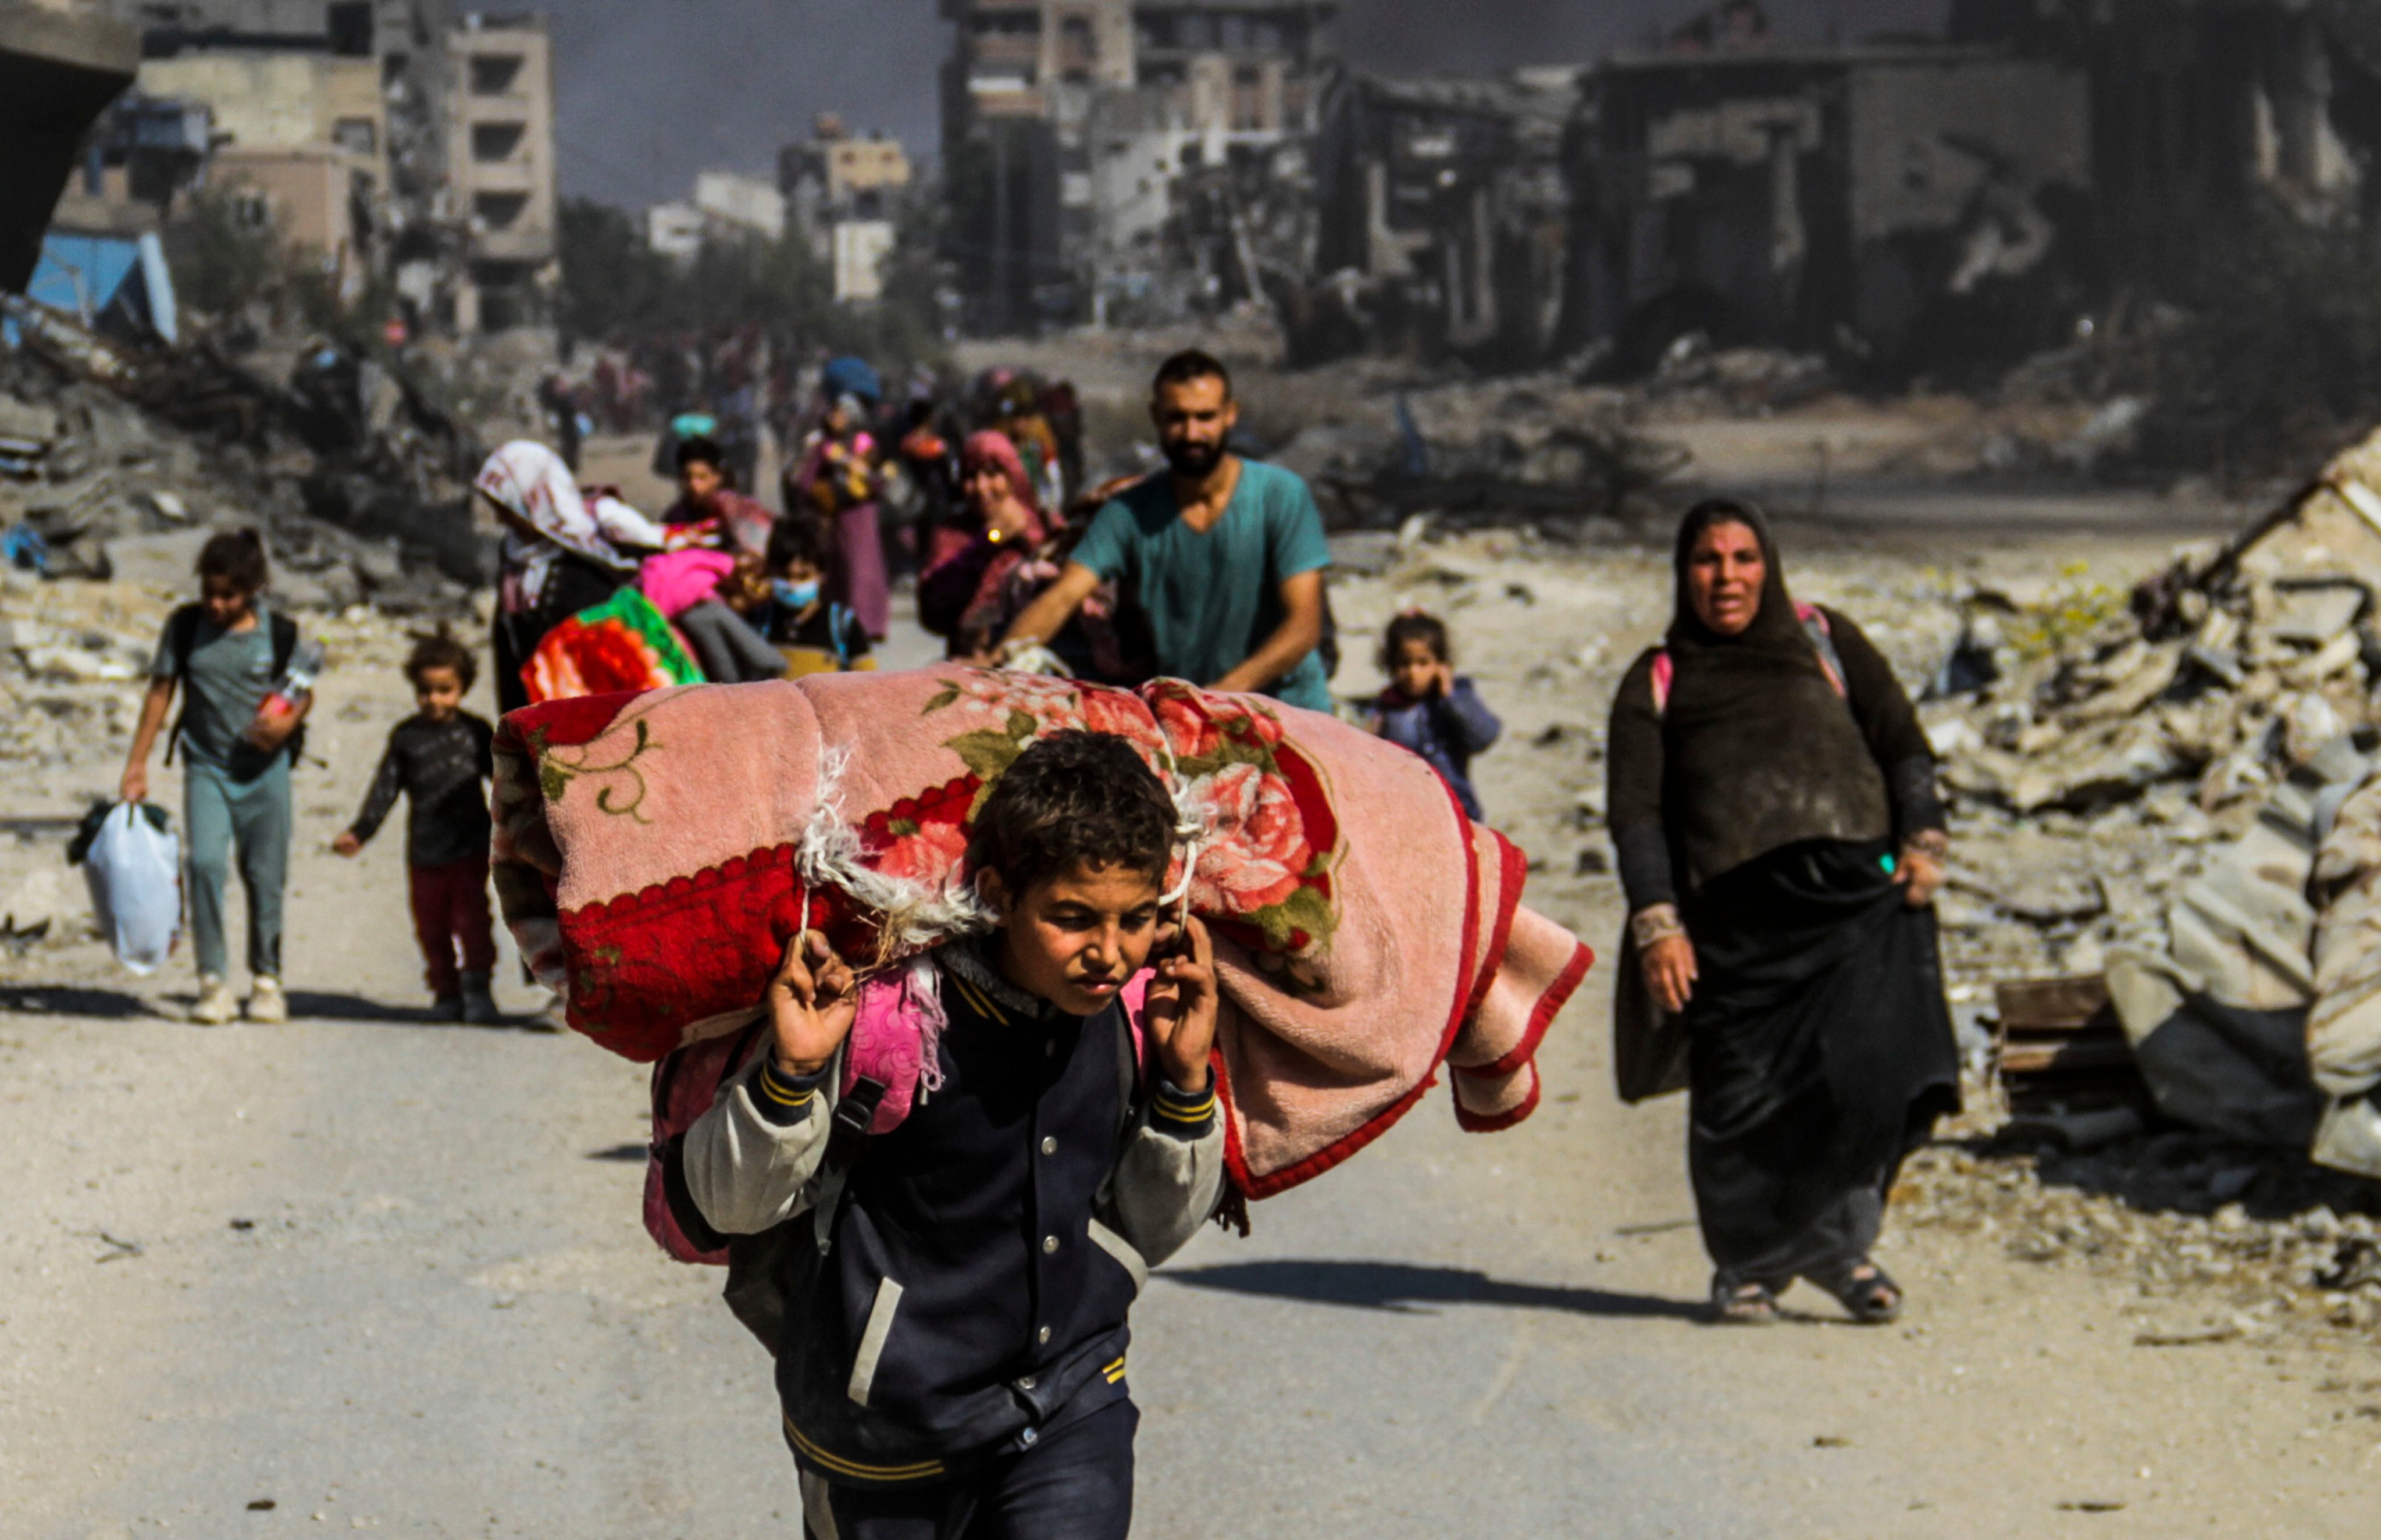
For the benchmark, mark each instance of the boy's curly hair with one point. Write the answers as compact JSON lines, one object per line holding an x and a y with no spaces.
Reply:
{"x":1074,"y":801}
{"x":441,"y":649}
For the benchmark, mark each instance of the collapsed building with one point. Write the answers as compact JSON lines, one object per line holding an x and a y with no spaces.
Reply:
{"x":1046,"y":103}
{"x":1842,"y":195}
{"x":1903,"y":206}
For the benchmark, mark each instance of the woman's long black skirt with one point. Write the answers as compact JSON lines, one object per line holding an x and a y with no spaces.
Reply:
{"x":1820,"y":1054}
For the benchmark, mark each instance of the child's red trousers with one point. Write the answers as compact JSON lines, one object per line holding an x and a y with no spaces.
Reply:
{"x":451,"y":914}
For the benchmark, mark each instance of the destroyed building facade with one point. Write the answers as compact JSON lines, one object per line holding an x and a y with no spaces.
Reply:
{"x":1045,"y":103}
{"x":500,"y":153}
{"x":1848,"y":195}
{"x":843,"y":191}
{"x":399,"y":139}
{"x":1444,"y":218}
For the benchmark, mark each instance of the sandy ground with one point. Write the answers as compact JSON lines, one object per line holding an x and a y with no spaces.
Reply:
{"x":362,"y":1272}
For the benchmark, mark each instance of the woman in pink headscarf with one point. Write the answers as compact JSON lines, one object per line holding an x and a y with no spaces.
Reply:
{"x":978,"y":582}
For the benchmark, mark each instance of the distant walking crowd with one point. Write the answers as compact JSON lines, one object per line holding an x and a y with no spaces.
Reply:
{"x":1771,"y":802}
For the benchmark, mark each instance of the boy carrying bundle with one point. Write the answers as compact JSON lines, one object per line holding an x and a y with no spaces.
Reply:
{"x":951,"y":1361}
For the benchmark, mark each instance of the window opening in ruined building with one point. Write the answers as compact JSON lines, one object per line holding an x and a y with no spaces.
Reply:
{"x":499,"y":211}
{"x":1247,"y":100}
{"x":496,"y":142}
{"x":348,"y":24}
{"x":494,"y":74}
{"x":358,"y":136}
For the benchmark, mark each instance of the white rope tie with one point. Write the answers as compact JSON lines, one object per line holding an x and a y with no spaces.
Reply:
{"x":1190,"y":832}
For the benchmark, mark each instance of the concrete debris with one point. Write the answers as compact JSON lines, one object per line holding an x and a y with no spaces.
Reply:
{"x":2234,"y":668}
{"x":1538,"y":446}
{"x":2060,"y":1046}
{"x":116,"y":461}
{"x":2214,"y":1240}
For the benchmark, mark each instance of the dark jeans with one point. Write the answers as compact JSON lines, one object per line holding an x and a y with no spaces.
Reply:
{"x":1076,"y":1483}
{"x":450,"y":912}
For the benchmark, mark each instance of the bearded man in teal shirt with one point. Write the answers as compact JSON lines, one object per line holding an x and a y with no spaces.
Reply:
{"x":1222,"y":556}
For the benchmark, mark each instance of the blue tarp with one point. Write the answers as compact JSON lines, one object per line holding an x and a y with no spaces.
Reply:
{"x":83,"y":275}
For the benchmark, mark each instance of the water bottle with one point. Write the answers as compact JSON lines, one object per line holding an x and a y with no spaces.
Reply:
{"x":276,"y":715}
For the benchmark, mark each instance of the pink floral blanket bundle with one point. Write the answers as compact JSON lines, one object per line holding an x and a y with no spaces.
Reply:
{"x":655,"y":851}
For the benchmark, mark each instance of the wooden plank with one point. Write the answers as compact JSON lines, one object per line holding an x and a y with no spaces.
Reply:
{"x":2032,"y":1058}
{"x":2054,"y":1005}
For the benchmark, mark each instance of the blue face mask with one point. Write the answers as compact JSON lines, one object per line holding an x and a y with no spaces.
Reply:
{"x":800,"y":595}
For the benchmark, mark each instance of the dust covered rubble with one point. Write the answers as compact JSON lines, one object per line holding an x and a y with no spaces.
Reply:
{"x":2111,"y":747}
{"x":114,"y":461}
{"x":1485,"y":453}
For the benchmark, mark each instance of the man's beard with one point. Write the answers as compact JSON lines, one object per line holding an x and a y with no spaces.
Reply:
{"x":1193,"y":460}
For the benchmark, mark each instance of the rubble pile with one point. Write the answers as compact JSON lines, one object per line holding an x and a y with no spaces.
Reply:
{"x":1532,"y":447}
{"x":2239,"y":664}
{"x":2273,"y":1243}
{"x":1699,"y":379}
{"x":69,"y":672}
{"x":359,"y":486}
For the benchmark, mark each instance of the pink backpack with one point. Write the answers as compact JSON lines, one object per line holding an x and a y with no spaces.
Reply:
{"x":884,"y":1070}
{"x":1814,"y":626}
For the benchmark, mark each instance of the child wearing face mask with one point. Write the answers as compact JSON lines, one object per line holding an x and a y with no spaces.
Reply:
{"x":812,"y":633}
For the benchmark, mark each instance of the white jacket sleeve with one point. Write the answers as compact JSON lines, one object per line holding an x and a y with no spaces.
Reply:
{"x":749,"y":1161}
{"x":1170,"y":1175}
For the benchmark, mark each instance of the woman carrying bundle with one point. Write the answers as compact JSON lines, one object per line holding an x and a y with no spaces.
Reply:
{"x":1774,"y":810}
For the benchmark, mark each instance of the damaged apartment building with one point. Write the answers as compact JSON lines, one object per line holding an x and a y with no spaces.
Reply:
{"x":1901,"y":204}
{"x":398,"y":140}
{"x":1068,"y":123}
{"x":1909,"y":204}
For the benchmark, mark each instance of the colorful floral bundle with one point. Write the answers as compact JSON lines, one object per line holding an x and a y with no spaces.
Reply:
{"x":654,"y":852}
{"x":622,"y":645}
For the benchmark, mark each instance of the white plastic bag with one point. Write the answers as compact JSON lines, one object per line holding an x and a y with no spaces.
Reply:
{"x":135,"y":871}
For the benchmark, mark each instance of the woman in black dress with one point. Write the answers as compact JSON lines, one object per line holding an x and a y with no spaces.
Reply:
{"x":1772,"y":805}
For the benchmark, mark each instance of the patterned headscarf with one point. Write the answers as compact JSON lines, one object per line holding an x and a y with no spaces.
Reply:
{"x":530,"y":481}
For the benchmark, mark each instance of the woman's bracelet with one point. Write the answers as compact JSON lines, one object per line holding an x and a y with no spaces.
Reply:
{"x":1933,"y":844}
{"x":1655,"y":923}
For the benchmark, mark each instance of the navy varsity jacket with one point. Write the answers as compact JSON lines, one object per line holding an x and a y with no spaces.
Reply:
{"x":980,"y":1259}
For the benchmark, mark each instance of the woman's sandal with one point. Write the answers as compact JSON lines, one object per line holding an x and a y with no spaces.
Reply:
{"x":1742,"y":1305}
{"x":1866,"y":1292}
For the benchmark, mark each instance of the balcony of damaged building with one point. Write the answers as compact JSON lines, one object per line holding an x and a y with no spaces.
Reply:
{"x":130,"y":424}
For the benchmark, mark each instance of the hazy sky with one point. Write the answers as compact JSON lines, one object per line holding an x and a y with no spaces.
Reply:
{"x":651,"y":93}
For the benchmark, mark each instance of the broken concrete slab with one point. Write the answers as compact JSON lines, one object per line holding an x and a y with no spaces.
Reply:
{"x":157,"y":560}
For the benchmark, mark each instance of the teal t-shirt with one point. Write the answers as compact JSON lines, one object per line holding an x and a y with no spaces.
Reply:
{"x":1213,"y":598}
{"x":230,"y":674}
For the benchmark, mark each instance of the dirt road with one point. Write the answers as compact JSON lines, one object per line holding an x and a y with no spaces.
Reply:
{"x":362,"y":1272}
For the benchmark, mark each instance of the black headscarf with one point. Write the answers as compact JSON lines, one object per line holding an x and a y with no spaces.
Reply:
{"x":1761,"y":750}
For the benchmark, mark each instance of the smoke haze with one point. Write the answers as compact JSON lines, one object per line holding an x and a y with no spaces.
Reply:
{"x":649,"y":94}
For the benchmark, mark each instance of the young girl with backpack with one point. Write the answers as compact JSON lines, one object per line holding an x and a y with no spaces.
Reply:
{"x":227,"y":654}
